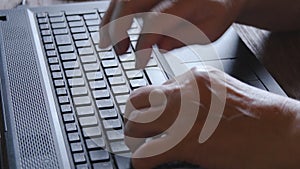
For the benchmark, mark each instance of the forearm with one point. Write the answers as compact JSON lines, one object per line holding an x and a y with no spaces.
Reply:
{"x":274,"y":15}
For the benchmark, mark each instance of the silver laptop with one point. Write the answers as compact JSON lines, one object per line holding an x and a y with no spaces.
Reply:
{"x":63,"y":97}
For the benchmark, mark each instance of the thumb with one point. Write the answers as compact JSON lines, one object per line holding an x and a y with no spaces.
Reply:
{"x":153,"y":153}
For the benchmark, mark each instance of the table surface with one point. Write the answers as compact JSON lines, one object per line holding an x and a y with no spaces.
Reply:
{"x":279,"y":52}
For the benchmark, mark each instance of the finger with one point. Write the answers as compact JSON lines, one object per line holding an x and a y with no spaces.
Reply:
{"x":153,"y":153}
{"x":103,"y":31}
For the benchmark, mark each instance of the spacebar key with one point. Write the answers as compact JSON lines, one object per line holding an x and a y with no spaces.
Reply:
{"x":156,"y":75}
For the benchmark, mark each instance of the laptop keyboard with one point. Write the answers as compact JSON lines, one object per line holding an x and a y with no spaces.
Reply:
{"x":91,"y":85}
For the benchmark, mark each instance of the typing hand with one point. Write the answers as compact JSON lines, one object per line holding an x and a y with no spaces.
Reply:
{"x":180,"y":22}
{"x":254,"y":130}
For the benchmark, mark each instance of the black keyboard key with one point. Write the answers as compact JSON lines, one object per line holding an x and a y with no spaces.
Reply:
{"x":101,"y":94}
{"x":91,"y":67}
{"x":63,"y":99}
{"x":68,"y":118}
{"x":95,"y":143}
{"x":104,"y":104}
{"x":76,"y":82}
{"x":85,"y":51}
{"x":74,"y":18}
{"x":47,"y":39}
{"x":85,"y":111}
{"x":66,"y":49}
{"x":88,"y":59}
{"x":108,"y":113}
{"x":73,"y":73}
{"x":60,"y":31}
{"x":71,"y":127}
{"x":80,"y":36}
{"x":94,"y":76}
{"x":61,"y":91}
{"x":73,"y":137}
{"x":106,"y":55}
{"x":99,"y":155}
{"x":65,"y":108}
{"x":63,"y":40}
{"x":79,"y":158}
{"x":135,"y":83}
{"x":82,"y":101}
{"x":79,"y":91}
{"x":59,"y":83}
{"x":59,"y":25}
{"x":76,"y":147}
{"x":88,"y":121}
{"x":118,"y":147}
{"x":112,"y":124}
{"x":114,"y":135}
{"x":109,"y":63}
{"x":91,"y":132}
{"x":116,"y":80}
{"x":97,"y":84}
{"x":78,"y":30}
{"x":103,"y":165}
{"x":75,"y":24}
{"x":71,"y":65}
{"x":113,"y":72}
{"x":83,"y":43}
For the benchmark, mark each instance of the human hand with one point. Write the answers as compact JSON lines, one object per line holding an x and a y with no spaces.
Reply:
{"x":174,"y":27}
{"x":255,"y":130}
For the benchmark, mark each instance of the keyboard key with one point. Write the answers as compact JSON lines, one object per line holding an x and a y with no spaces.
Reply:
{"x":112,"y":124}
{"x":59,"y":83}
{"x":47,"y":39}
{"x":60,"y":31}
{"x":78,"y":30}
{"x":71,"y":65}
{"x":88,"y":59}
{"x":85,"y":51}
{"x":127,"y":57}
{"x":56,"y":75}
{"x":59,"y":25}
{"x":66,"y":49}
{"x":79,"y":91}
{"x":65,"y":108}
{"x":134,"y":74}
{"x":82,"y":166}
{"x":82,"y":101}
{"x":95,"y":143}
{"x":41,"y":15}
{"x":83,"y":43}
{"x":44,"y":26}
{"x":123,"y":162}
{"x":80,"y":36}
{"x":109,"y":113}
{"x":106,"y":55}
{"x":122,"y":109}
{"x":91,"y":132}
{"x":114,"y":135}
{"x":91,"y":67}
{"x":123,"y":89}
{"x":85,"y":111}
{"x":92,"y":22}
{"x":102,"y":165}
{"x":76,"y":82}
{"x":73,"y":73}
{"x":104,"y":104}
{"x":51,"y":53}
{"x":116,"y":80}
{"x":118,"y":146}
{"x":113,"y":72}
{"x":155,"y":75}
{"x":94,"y":76}
{"x":57,"y":19}
{"x":46,"y":32}
{"x":99,"y":155}
{"x":88,"y":121}
{"x":68,"y":118}
{"x":138,"y":83}
{"x":90,"y":16}
{"x":73,"y":18}
{"x":55,"y":14}
{"x":95,"y":37}
{"x":61,"y":91}
{"x":93,"y":28}
{"x":53,"y":60}
{"x":63,"y":40}
{"x":128,"y":65}
{"x":76,"y":147}
{"x":97,"y":85}
{"x":122,"y":99}
{"x":71,"y":127}
{"x":109,"y":63}
{"x":79,"y":158}
{"x":49,"y":47}
{"x":73,"y":137}
{"x":101,"y":94}
{"x":75,"y":24}
{"x":68,"y":57}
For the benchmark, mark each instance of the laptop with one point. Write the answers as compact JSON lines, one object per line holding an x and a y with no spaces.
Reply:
{"x":63,"y":97}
